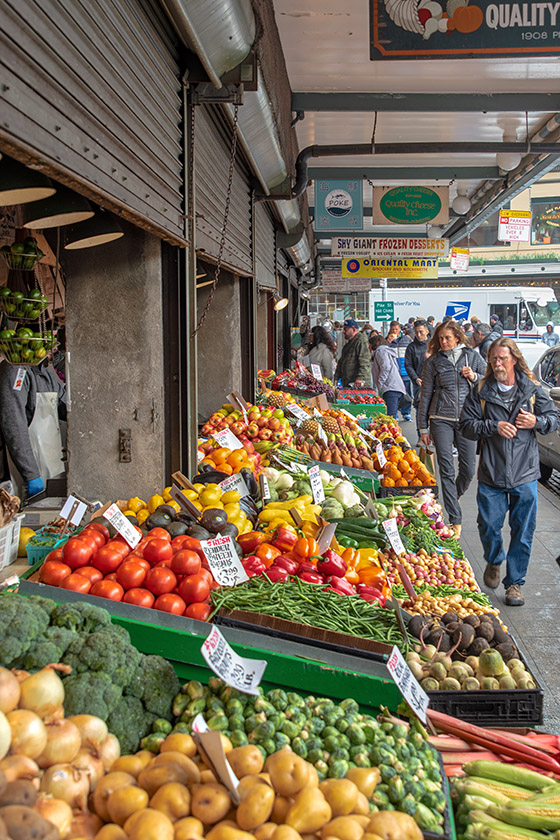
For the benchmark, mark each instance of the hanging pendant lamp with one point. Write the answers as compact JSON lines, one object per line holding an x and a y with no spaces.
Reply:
{"x":19,"y":184}
{"x":66,"y":207}
{"x":102,"y":228}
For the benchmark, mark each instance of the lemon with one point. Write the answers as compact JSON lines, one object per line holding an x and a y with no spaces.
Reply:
{"x":167,"y":494}
{"x":209,"y":497}
{"x":175,"y":505}
{"x":142,"y":515}
{"x":191,"y":494}
{"x":231,"y":497}
{"x":24,"y":536}
{"x":135,"y":503}
{"x":154,"y":502}
{"x":232,"y":509}
{"x":200,"y":488}
{"x":129,"y":512}
{"x":214,"y":506}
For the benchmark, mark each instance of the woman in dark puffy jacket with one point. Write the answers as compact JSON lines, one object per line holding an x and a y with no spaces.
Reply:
{"x":450,"y":371}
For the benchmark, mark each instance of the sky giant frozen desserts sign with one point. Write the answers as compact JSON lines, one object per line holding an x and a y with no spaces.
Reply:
{"x":462,"y":29}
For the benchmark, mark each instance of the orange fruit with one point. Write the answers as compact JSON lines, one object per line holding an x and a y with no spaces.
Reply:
{"x":387,"y":482}
{"x":221,"y":454}
{"x":238,"y":458}
{"x":403,"y":465}
{"x":401,"y":482}
{"x":410,"y":456}
{"x":416,"y":482}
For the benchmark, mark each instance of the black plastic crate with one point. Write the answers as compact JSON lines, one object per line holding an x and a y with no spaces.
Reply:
{"x":385,"y":492}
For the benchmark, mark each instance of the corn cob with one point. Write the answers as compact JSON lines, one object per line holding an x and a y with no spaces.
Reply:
{"x":528,"y":779}
{"x":528,"y":815}
{"x":550,"y":796}
{"x":490,"y":788}
{"x":482,"y":822}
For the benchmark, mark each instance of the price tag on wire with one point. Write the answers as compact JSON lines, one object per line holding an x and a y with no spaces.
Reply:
{"x":298,"y":412}
{"x":264,"y":488}
{"x":391,"y":529}
{"x":380,"y":454}
{"x":316,"y":484}
{"x":243,"y":674}
{"x":223,"y":560}
{"x":227,"y":438}
{"x":408,"y":685}
{"x":121,"y":524}
{"x":316,"y":371}
{"x":73,"y":510}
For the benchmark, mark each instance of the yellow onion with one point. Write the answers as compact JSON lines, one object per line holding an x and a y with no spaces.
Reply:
{"x":93,"y":730}
{"x":62,"y":781}
{"x":85,"y":827}
{"x":42,"y":693}
{"x":57,"y":812}
{"x":5,"y":735}
{"x":90,"y":764}
{"x":110,"y":751}
{"x":16,"y":767}
{"x":63,"y":744}
{"x":29,"y":734}
{"x":9,"y":691}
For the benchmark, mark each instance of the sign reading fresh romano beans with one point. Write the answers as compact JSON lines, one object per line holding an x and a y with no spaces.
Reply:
{"x":243,"y":674}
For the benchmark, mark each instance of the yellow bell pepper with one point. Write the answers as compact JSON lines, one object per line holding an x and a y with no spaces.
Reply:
{"x":368,"y":557}
{"x":268,"y":515}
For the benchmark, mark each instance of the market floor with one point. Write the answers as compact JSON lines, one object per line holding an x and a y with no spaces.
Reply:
{"x":535,"y":625}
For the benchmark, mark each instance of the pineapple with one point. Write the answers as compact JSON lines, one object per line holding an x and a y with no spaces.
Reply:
{"x":276,"y":399}
{"x":309,"y":427}
{"x":330,"y":425}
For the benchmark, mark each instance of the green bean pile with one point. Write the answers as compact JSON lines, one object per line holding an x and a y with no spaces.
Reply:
{"x":313,"y":605}
{"x":443,"y":591}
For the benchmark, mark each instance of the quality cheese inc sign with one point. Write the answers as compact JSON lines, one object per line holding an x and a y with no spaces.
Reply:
{"x":410,"y":205}
{"x":462,"y":29}
{"x":412,"y":269}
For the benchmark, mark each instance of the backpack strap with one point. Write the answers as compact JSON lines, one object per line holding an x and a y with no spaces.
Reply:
{"x":482,"y":402}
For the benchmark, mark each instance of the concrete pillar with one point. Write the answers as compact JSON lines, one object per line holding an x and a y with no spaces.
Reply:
{"x":116,"y":375}
{"x":262,"y":332}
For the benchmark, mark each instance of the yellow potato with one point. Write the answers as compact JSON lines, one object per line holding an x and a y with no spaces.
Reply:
{"x":361,"y":819}
{"x":246,"y":783}
{"x":153,"y":778}
{"x":369,"y":836}
{"x":207,"y":776}
{"x":345,"y":828}
{"x":173,"y":800}
{"x":255,"y":807}
{"x":126,"y":801}
{"x":149,"y":825}
{"x":265,"y":777}
{"x":226,"y":743}
{"x":341,"y":795}
{"x":189,"y":828}
{"x":190,"y":769}
{"x":210,"y":803}
{"x":286,"y":832}
{"x":309,"y":811}
{"x":265,"y":831}
{"x":281,"y":807}
{"x":288,"y":772}
{"x":366,"y":779}
{"x":228,"y":832}
{"x":104,"y":789}
{"x":393,"y":824}
{"x":246,"y":760}
{"x":179,"y":742}
{"x":111,"y":832}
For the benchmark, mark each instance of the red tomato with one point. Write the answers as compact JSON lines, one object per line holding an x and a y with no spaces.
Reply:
{"x":159,"y":534}
{"x":207,"y":575}
{"x":89,"y":540}
{"x":77,"y":583}
{"x":138,"y":552}
{"x":194,"y":588}
{"x":77,"y":553}
{"x":108,"y":589}
{"x":55,"y":554}
{"x":91,"y":573}
{"x":170,"y":603}
{"x":185,"y":562}
{"x":53,"y":572}
{"x":177,"y":542}
{"x":198,"y":611}
{"x":139,"y":597}
{"x":160,"y":580}
{"x":158,"y":550}
{"x":93,"y":534}
{"x":112,"y":576}
{"x":131,"y":575}
{"x":107,"y":560}
{"x":163,"y":564}
{"x":194,"y":545}
{"x":99,"y":526}
{"x":118,"y":544}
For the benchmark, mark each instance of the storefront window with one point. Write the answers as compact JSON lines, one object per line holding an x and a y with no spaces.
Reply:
{"x":545,"y":225}
{"x":337,"y":307}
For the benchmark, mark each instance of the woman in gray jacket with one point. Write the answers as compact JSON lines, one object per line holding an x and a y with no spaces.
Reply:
{"x":449,"y":373}
{"x":386,"y":373}
{"x":322,"y":352}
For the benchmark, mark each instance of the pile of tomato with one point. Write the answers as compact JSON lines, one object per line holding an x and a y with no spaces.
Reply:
{"x":160,"y":573}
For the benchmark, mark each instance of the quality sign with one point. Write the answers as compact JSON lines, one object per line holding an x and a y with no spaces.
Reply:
{"x":462,"y":29}
{"x":420,"y":269}
{"x":410,"y":205}
{"x":339,"y":205}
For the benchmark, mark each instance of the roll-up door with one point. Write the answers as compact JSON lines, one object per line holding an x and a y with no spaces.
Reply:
{"x":212,"y":155}
{"x":265,"y":246}
{"x":92,"y":92}
{"x":282,"y":262}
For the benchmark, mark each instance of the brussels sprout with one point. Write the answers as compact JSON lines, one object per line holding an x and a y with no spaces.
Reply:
{"x":180,"y":703}
{"x":330,"y":730}
{"x":299,"y":747}
{"x":315,"y":755}
{"x":387,"y":772}
{"x":281,"y":740}
{"x":349,"y":705}
{"x":408,"y":804}
{"x":182,"y":727}
{"x":314,"y":743}
{"x":342,"y":724}
{"x":355,"y":734}
{"x":338,"y":769}
{"x":296,"y":699}
{"x":331,"y":743}
{"x":215,"y":684}
{"x":194,"y":689}
{"x":195,"y":707}
{"x":315,"y":725}
{"x":278,"y":698}
{"x":340,"y":754}
{"x":234,"y":707}
{"x":299,"y":719}
{"x":253,"y":721}
{"x":263,"y":705}
{"x":262,"y":731}
{"x":269,"y":746}
{"x":396,"y":790}
{"x":379,"y":798}
{"x":322,"y":769}
{"x":238,"y":738}
{"x":153,"y":741}
{"x":427,"y":820}
{"x":290,"y":729}
{"x":161,"y":725}
{"x":214,"y":704}
{"x":236,"y":722}
{"x":218,"y":723}
{"x":362,"y":760}
{"x":277,"y":718}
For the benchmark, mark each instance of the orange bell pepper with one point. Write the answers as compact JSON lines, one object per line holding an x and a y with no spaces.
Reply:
{"x":352,"y":576}
{"x":267,"y":553}
{"x":373,"y":576}
{"x":351,"y":557}
{"x":306,"y":547}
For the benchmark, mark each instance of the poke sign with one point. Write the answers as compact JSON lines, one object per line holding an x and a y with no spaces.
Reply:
{"x":338,"y":203}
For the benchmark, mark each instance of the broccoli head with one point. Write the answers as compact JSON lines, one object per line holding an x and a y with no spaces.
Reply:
{"x":91,"y":693}
{"x":80,"y":617}
{"x":130,"y":722}
{"x":156,"y":684}
{"x":111,"y":653}
{"x":51,"y":648}
{"x":46,"y":604}
{"x":28,"y":622}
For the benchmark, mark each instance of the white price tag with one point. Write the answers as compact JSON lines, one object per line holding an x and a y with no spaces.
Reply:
{"x":199,"y":724}
{"x":408,"y":685}
{"x":199,"y":456}
{"x":235,"y":482}
{"x":351,"y":416}
{"x":78,"y":514}
{"x":264,"y":488}
{"x":125,"y":528}
{"x":227,"y":438}
{"x":224,"y":563}
{"x":322,"y":434}
{"x":316,"y":485}
{"x":18,"y":381}
{"x":297,"y":411}
{"x":370,"y":510}
{"x":368,"y":434}
{"x":343,"y":474}
{"x":380,"y":455}
{"x":391,"y":529}
{"x":316,"y":371}
{"x":242,"y":674}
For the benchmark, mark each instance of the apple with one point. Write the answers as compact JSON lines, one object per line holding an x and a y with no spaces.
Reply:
{"x":247,"y":444}
{"x":279,"y":414}
{"x":278,"y":437}
{"x":238,"y":427}
{"x":266,"y":412}
{"x":252,"y":430}
{"x":274,"y":424}
{"x":265,"y":434}
{"x":262,"y":422}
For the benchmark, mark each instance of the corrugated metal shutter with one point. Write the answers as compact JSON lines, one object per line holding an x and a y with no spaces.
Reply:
{"x":282,"y":262}
{"x":212,"y":155}
{"x":265,"y":246}
{"x":93,"y":90}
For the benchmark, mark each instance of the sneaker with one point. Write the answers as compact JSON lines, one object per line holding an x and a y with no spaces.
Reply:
{"x":407,"y":419}
{"x":514,"y":598}
{"x":492,"y":576}
{"x":455,"y":452}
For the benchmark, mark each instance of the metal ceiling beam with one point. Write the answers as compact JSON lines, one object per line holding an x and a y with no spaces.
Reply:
{"x":426,"y":102}
{"x":406,"y":173}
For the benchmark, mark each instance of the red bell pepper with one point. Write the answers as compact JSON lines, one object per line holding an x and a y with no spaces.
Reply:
{"x":253,"y":565}
{"x":306,"y":567}
{"x":284,"y":539}
{"x":332,"y":564}
{"x":251,"y":541}
{"x":276,"y":574}
{"x":341,"y":586}
{"x":311,"y":577}
{"x":306,"y":547}
{"x":268,"y":553}
{"x":285,"y":562}
{"x":371,"y":593}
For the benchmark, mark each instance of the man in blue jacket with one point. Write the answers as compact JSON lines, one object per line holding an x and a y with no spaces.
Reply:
{"x":503,"y":413}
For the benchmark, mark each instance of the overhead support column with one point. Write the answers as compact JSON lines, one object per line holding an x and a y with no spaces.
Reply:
{"x":426,"y":102}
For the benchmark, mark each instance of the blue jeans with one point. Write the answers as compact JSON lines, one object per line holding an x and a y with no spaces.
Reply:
{"x":392,"y":400}
{"x":406,"y":411}
{"x":493,"y":504}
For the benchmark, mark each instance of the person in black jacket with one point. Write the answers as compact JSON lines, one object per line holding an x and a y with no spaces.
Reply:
{"x":496,"y":324}
{"x":483,"y":338}
{"x":448,"y":375}
{"x":504,"y":414}
{"x":414,"y":359}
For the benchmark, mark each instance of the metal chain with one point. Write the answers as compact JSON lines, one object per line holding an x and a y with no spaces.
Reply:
{"x":226,"y":219}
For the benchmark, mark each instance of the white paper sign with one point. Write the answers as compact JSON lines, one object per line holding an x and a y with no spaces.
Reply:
{"x":199,"y":456}
{"x":316,"y":371}
{"x":316,"y":485}
{"x":78,"y":513}
{"x":408,"y":685}
{"x":322,"y":434}
{"x":224,"y":563}
{"x":380,"y":455}
{"x":391,"y":529}
{"x":243,"y":674}
{"x":514,"y":226}
{"x":264,"y":488}
{"x":125,"y":528}
{"x":199,"y":724}
{"x":297,"y":411}
{"x":459,"y":259}
{"x":18,"y":381}
{"x":227,"y":438}
{"x":234,"y":482}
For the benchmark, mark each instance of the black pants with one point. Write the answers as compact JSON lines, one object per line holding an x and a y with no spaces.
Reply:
{"x":445,"y":434}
